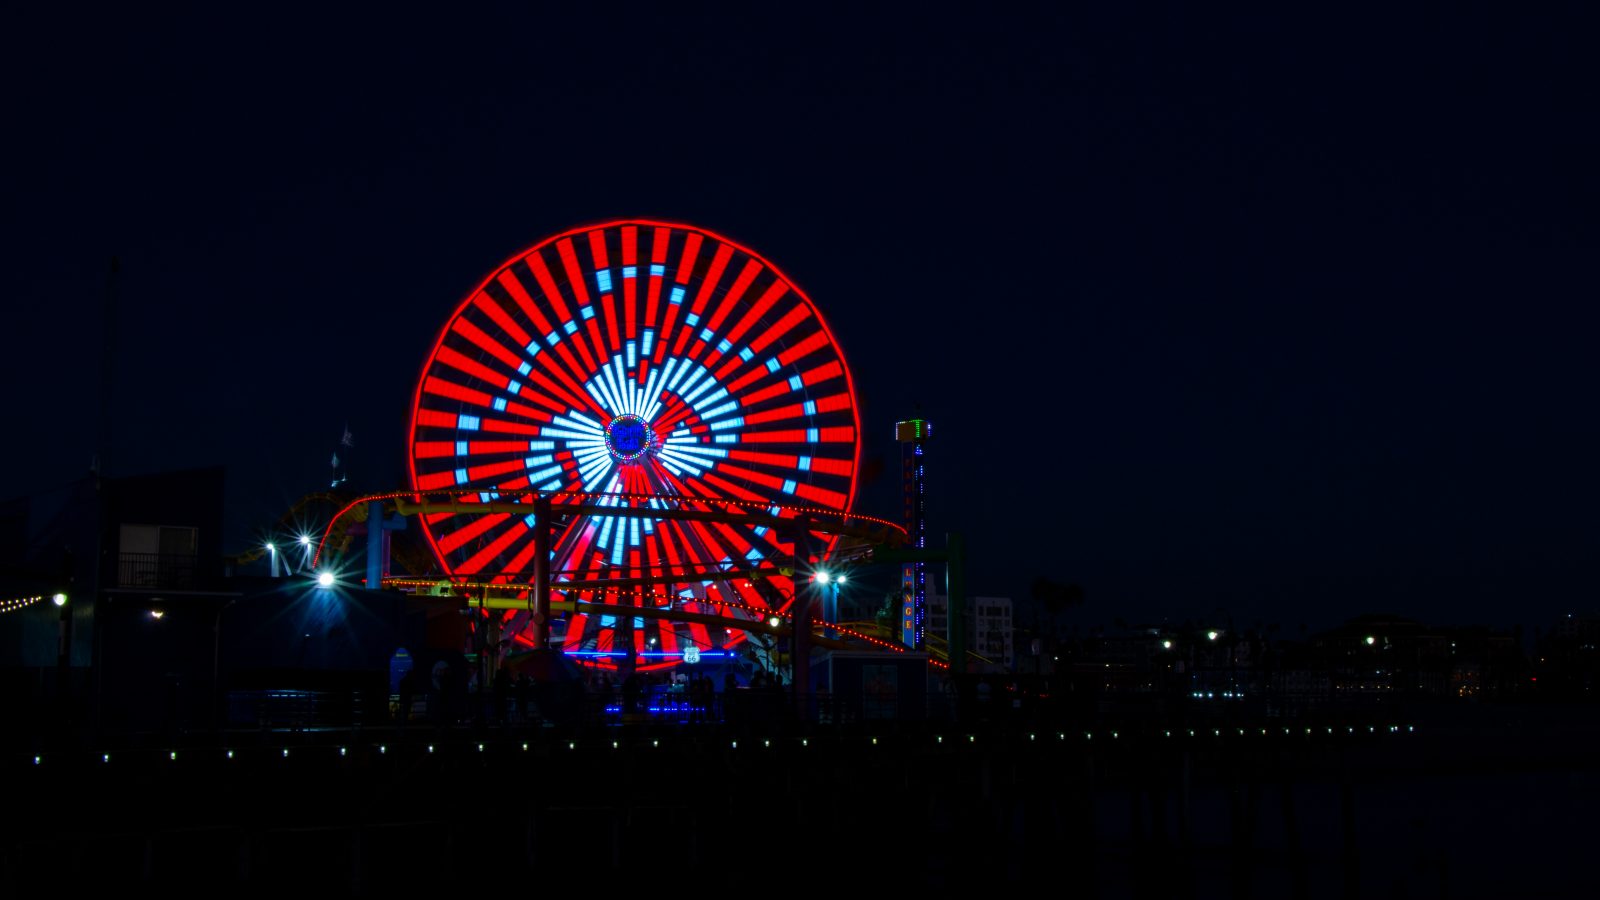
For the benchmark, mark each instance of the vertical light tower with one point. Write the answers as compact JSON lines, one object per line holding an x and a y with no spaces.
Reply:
{"x":913,"y":436}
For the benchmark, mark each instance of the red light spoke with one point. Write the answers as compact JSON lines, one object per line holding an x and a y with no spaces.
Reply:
{"x":729,"y":302}
{"x":463,"y":535}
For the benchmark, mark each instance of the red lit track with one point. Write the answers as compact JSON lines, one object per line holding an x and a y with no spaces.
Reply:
{"x":640,"y":594}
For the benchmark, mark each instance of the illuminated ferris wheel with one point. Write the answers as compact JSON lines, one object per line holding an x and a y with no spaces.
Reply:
{"x":656,"y":363}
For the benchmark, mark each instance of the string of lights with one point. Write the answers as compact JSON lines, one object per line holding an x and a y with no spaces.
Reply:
{"x":336,"y":752}
{"x":19,"y":603}
{"x":16,"y":603}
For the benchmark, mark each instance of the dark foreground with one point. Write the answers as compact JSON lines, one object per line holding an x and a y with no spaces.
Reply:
{"x":1481,"y":803}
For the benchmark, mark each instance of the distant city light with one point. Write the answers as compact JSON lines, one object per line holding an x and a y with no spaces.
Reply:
{"x":1371,"y":640}
{"x":1211,"y":635}
{"x":156,"y":613}
{"x":773,"y":621}
{"x":1166,"y":645}
{"x":59,"y":599}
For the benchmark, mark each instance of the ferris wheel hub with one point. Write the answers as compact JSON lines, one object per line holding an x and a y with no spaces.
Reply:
{"x":629,"y":437}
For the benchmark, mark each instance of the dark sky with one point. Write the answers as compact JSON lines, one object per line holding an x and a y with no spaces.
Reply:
{"x":1284,"y":316}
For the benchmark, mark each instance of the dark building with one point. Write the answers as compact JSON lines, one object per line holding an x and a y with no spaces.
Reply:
{"x":159,"y":635}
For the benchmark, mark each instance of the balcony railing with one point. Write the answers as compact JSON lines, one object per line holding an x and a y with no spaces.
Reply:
{"x":173,"y":571}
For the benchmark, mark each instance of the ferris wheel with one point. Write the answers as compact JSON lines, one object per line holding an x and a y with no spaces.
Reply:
{"x":651,"y":363}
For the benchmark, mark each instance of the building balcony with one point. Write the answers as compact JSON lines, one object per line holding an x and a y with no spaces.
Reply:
{"x":170,"y":571}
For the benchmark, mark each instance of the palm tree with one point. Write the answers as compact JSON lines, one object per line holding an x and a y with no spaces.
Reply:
{"x":1056,"y":598}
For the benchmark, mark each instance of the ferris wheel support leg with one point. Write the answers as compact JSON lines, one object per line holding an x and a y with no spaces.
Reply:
{"x":541,"y":572}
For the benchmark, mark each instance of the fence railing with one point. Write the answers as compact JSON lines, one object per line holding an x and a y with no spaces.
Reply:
{"x":157,"y":570}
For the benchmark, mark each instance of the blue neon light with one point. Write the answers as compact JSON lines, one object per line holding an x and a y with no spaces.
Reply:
{"x":658,"y":269}
{"x":789,"y":486}
{"x":544,"y":473}
{"x":734,"y":422}
{"x":726,"y":439}
{"x":649,"y":338}
{"x":514,"y":387}
{"x":602,"y":277}
{"x":706,"y":335}
{"x":813,"y":435}
{"x":667,"y":654}
{"x":533,"y":350}
{"x":633,"y":351}
{"x":811,"y":407}
{"x":525,"y":368}
{"x":804,"y":464}
{"x":772,"y":364}
{"x":677,"y":295}
{"x":529,"y":520}
{"x":630,"y":272}
{"x":588,"y":313}
{"x":465,"y":422}
{"x":500,"y":404}
{"x":746,"y":353}
{"x":572,"y":326}
{"x":461,"y":476}
{"x":461,"y":448}
{"x":731,"y":404}
{"x":541,"y":445}
{"x":724,"y":345}
{"x":691,"y":319}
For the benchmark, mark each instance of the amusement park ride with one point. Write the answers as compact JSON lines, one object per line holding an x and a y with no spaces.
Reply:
{"x":638,"y":443}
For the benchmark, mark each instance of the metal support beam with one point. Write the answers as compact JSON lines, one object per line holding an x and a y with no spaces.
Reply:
{"x":805,"y":594}
{"x":955,"y":574}
{"x":541,"y":572}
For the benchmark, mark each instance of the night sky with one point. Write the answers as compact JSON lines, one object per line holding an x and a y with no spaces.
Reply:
{"x":1285,"y":317}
